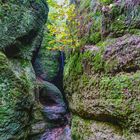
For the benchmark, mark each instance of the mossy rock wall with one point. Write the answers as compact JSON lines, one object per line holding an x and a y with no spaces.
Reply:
{"x":102,"y":77}
{"x":16,"y":99}
{"x":21,"y":26}
{"x":98,"y":19}
{"x":94,"y":130}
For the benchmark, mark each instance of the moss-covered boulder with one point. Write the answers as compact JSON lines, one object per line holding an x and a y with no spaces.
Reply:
{"x":104,"y":85}
{"x":21,"y":26}
{"x":94,"y":130}
{"x":20,"y":22}
{"x":102,"y":77}
{"x":16,"y":99}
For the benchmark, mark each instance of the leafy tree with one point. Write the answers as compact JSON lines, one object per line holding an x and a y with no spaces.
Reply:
{"x":61,"y":25}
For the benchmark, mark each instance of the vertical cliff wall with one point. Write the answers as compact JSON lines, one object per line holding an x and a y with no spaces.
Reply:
{"x":21,"y":32}
{"x":102,"y":77}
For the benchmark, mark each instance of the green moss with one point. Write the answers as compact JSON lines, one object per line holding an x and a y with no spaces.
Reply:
{"x":119,"y":92}
{"x":106,"y":1}
{"x":109,"y":66}
{"x":84,"y":5}
{"x":83,"y":129}
{"x":134,"y":31}
{"x":118,"y":26}
{"x":15,"y":101}
{"x":73,"y":65}
{"x":95,"y":38}
{"x":105,"y":94}
{"x":98,"y":63}
{"x":80,"y":128}
{"x":3,"y":62}
{"x":90,"y":27}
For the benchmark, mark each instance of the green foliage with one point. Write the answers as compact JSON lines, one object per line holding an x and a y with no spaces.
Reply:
{"x":106,"y":1}
{"x":84,"y":5}
{"x":95,"y":38}
{"x":80,"y":128}
{"x":59,"y":34}
{"x":74,"y":65}
{"x":118,"y":26}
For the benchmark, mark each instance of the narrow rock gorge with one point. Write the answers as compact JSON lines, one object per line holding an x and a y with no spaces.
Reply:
{"x":32,"y":106}
{"x":88,"y":88}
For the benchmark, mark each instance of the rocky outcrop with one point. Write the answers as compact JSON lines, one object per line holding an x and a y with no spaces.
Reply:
{"x":16,"y":100}
{"x":21,"y":24}
{"x":102,"y":79}
{"x":31,"y":108}
{"x":94,"y":130}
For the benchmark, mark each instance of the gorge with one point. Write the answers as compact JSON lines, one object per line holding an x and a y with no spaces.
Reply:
{"x":90,"y":91}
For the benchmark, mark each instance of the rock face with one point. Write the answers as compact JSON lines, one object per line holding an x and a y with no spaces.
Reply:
{"x":48,"y":66}
{"x":102,"y":82}
{"x":21,"y":25}
{"x":16,"y":99}
{"x":31,"y":108}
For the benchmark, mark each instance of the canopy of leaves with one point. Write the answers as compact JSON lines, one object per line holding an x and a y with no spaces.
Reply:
{"x":58,"y":33}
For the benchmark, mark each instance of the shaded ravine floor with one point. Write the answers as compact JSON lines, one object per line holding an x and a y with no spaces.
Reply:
{"x":50,"y":95}
{"x":58,"y":133}
{"x":55,"y":112}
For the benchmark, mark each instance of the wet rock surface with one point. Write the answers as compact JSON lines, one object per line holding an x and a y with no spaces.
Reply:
{"x":54,"y":110}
